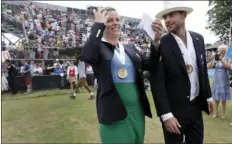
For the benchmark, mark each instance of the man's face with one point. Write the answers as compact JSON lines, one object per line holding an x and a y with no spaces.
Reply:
{"x":113,"y":26}
{"x":174,"y":21}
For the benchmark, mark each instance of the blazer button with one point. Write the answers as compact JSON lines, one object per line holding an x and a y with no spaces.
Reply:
{"x":187,"y":96}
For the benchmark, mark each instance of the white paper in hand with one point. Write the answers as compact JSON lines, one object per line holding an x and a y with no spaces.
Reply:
{"x":145,"y":24}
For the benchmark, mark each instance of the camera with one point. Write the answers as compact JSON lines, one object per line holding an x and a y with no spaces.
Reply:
{"x":217,"y":57}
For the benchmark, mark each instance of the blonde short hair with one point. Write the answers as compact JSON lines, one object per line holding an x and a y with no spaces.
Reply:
{"x":108,"y":9}
{"x":222,"y":47}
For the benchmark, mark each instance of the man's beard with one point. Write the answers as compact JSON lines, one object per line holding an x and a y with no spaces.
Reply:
{"x":177,"y":30}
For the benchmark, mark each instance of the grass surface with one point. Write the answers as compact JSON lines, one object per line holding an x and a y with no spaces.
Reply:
{"x":51,"y":117}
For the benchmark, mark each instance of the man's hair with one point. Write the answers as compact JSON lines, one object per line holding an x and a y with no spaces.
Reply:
{"x":108,"y":9}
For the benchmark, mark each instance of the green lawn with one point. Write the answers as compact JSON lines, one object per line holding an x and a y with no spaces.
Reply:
{"x":51,"y":117}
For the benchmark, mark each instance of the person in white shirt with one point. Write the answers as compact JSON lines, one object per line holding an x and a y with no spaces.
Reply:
{"x":54,"y":26}
{"x":31,"y":24}
{"x":22,"y":70}
{"x":179,"y":82}
{"x":38,"y":24}
{"x":89,"y":70}
{"x":38,"y":69}
{"x":72,"y":73}
{"x":32,"y":68}
{"x":82,"y":80}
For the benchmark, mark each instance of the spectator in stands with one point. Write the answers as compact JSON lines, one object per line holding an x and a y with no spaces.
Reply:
{"x":27,"y":76}
{"x":31,"y":10}
{"x":12,"y":50}
{"x":20,"y":50}
{"x":38,"y":69}
{"x":57,"y":61}
{"x":58,"y":69}
{"x":4,"y":72}
{"x":89,"y":69}
{"x":40,"y":51}
{"x":4,"y":69}
{"x":38,"y":24}
{"x":82,"y":80}
{"x":221,"y":82}
{"x":52,"y":25}
{"x":43,"y":66}
{"x":32,"y":68}
{"x":72,"y":74}
{"x":65,"y":40}
{"x":55,"y":53}
{"x":22,"y":68}
{"x":32,"y":53}
{"x":26,"y":24}
{"x":45,"y":50}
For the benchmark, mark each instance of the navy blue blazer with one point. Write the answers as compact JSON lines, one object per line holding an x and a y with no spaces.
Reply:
{"x":99,"y":54}
{"x":170,"y":84}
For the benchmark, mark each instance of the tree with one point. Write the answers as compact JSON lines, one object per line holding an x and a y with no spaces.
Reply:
{"x":219,"y":18}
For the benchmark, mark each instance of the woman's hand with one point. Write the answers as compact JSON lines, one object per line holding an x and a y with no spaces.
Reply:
{"x":99,"y":16}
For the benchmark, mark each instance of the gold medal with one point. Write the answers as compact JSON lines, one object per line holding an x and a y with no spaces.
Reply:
{"x":122,"y":73}
{"x":189,"y":68}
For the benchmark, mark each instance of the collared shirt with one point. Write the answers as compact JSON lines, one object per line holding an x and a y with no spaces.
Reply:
{"x":189,"y":56}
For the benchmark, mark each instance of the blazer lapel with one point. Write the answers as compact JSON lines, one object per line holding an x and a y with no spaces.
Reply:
{"x":197,"y":49}
{"x":136,"y":60}
{"x":176,"y":50}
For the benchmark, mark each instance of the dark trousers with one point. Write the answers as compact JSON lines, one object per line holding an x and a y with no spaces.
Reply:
{"x":192,"y":129}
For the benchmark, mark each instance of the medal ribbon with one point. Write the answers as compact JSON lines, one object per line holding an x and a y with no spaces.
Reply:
{"x":121,"y":56}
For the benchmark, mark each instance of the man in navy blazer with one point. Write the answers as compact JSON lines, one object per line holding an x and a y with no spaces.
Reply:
{"x":179,"y":83}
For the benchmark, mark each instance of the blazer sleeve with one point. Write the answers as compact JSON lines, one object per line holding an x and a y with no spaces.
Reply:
{"x":91,"y":50}
{"x":157,"y":80}
{"x":152,"y":60}
{"x":207,"y":83}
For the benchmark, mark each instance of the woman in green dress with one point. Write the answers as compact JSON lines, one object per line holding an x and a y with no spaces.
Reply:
{"x":122,"y":102}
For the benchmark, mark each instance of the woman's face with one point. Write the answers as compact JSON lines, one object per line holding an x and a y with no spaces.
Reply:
{"x":223,"y":52}
{"x":113,"y":25}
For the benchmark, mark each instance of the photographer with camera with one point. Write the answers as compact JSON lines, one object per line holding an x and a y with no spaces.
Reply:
{"x":221,"y":82}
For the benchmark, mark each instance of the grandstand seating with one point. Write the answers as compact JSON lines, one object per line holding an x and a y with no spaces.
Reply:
{"x":50,"y":28}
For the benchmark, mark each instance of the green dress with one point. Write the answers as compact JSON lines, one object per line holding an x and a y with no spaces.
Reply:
{"x":132,"y":129}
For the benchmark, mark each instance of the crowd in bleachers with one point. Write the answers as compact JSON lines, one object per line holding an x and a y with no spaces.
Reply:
{"x":49,"y":30}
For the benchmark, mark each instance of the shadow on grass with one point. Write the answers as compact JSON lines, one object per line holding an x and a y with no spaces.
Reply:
{"x":36,"y":94}
{"x":40,"y":93}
